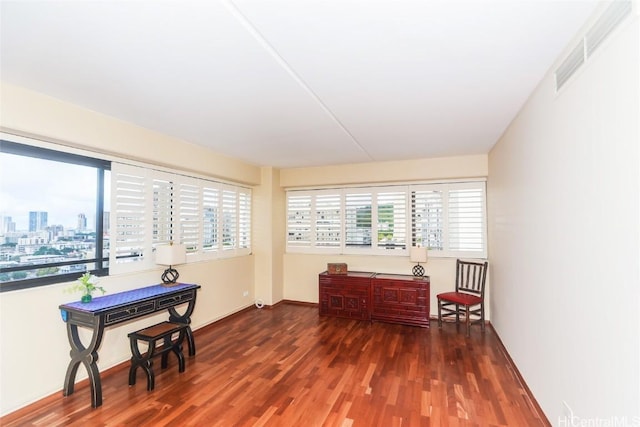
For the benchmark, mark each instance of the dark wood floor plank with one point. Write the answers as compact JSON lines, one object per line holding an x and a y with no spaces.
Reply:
{"x":287,"y":366}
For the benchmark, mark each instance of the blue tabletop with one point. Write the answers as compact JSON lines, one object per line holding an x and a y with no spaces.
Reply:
{"x":105,"y":302}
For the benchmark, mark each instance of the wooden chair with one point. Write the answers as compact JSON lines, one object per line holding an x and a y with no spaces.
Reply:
{"x":468,"y":298}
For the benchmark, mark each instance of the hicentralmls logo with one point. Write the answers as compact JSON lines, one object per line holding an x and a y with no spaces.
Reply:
{"x":622,"y":421}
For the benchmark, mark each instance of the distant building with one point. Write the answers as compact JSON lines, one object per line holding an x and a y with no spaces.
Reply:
{"x":37,"y":220}
{"x":8,"y":226}
{"x":82,"y":222}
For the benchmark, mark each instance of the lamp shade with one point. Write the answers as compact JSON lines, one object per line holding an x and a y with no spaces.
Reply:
{"x":418,"y":254}
{"x":171,"y":254}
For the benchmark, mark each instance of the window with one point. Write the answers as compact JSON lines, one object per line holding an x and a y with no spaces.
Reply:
{"x":63,"y":214}
{"x":392,"y":219}
{"x":357,"y":220}
{"x":448,"y":218}
{"x":154,"y":208}
{"x":55,"y":216}
{"x":375,"y":220}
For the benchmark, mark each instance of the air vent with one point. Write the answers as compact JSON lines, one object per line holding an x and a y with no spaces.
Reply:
{"x":570,"y":65}
{"x":609,"y":20}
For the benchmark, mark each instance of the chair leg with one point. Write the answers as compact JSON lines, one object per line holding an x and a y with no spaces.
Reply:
{"x":468,"y":320}
{"x":482,"y":325}
{"x":440,"y":314}
{"x":457,"y":314}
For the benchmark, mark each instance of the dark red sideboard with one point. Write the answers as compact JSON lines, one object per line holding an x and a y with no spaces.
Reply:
{"x":395,"y":298}
{"x":346,"y":295}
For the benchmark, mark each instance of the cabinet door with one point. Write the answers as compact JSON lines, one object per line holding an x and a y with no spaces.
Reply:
{"x":344,"y":297}
{"x":400,"y":301}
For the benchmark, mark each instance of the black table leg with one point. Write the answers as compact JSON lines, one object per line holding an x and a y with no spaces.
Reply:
{"x":88,"y":356}
{"x":185,"y":318}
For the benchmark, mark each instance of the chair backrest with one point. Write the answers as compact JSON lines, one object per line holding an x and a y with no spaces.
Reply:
{"x":471,"y":276}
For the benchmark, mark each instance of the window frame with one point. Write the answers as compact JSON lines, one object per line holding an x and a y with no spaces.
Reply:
{"x":101,"y":263}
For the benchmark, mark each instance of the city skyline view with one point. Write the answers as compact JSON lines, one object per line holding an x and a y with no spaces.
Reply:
{"x":65,"y":194}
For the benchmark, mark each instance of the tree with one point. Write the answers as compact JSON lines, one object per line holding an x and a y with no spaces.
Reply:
{"x":49,"y":271}
{"x":19,"y":275}
{"x":46,"y":250}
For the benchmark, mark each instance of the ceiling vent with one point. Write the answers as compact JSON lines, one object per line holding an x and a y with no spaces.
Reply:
{"x":608,"y":21}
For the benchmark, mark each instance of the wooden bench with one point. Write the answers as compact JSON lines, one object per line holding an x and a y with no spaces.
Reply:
{"x":162,"y":331}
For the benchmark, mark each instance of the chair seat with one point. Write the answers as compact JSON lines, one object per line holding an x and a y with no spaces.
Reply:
{"x":460,"y":298}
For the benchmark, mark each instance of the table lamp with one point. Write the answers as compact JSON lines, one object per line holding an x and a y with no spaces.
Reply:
{"x":418,"y":254}
{"x":171,"y":255}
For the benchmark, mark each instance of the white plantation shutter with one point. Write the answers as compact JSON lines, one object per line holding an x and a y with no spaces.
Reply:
{"x":229,"y":219}
{"x":427,"y":207}
{"x":392,"y":219}
{"x":244,"y":221}
{"x":328,"y":220}
{"x":189,"y":214}
{"x":151,"y":208}
{"x":448,"y":218}
{"x":162,"y":213}
{"x":210,"y":219}
{"x":358,"y":220}
{"x":298,"y":220}
{"x":131,"y":219}
{"x":466,"y":219}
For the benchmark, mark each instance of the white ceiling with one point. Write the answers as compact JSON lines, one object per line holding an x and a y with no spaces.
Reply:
{"x":292,"y":83}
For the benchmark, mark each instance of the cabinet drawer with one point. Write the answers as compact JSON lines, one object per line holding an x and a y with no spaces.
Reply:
{"x":400,"y":301}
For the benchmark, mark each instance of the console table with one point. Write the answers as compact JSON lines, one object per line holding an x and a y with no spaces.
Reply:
{"x":395,"y":298}
{"x":116,"y":308}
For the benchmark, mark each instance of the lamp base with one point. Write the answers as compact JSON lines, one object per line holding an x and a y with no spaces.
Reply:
{"x":169,"y":277}
{"x":418,"y":270}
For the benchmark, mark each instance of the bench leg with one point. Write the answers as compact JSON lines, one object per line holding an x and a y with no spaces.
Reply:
{"x":177,"y":349}
{"x":145,"y":362}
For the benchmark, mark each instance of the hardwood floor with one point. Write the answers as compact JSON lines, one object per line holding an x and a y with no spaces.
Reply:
{"x":286,"y":366}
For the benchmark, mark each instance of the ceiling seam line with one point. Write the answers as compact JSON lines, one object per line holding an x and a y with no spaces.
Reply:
{"x":255,"y":33}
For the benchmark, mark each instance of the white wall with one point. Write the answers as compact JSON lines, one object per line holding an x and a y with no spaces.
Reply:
{"x":563,"y":199}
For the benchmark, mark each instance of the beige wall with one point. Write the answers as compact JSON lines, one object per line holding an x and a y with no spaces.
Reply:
{"x":33,"y":114}
{"x":301,"y":270}
{"x":564,"y":189}
{"x":269,"y":237}
{"x":383,"y":172}
{"x":301,"y":274}
{"x":35,"y":351}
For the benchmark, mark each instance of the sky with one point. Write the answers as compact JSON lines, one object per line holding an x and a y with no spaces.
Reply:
{"x":63,"y":190}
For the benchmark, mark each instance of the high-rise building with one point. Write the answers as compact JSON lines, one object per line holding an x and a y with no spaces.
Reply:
{"x":8,"y":226}
{"x":82,"y":222}
{"x":37,"y":220}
